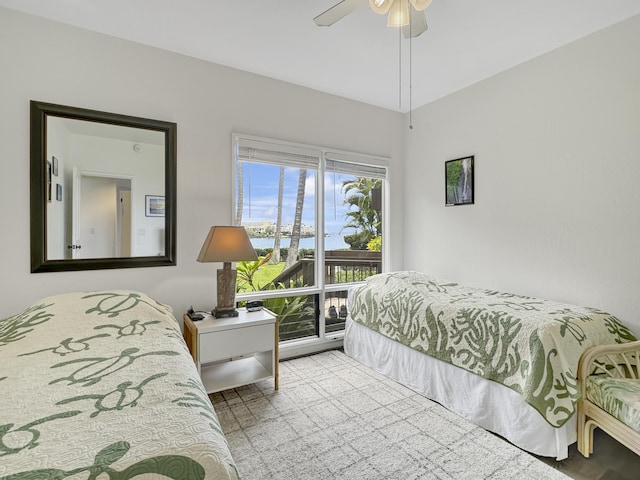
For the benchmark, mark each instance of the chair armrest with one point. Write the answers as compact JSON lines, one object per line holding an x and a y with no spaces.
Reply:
{"x":619,"y":360}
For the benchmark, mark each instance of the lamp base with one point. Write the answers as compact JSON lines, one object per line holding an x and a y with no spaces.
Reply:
{"x":226,"y":293}
{"x":224,"y":313}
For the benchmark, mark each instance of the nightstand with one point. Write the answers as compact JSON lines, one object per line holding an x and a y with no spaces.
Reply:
{"x":231,"y":352}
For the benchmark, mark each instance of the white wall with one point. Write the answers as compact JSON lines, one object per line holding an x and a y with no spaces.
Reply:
{"x":57,"y":209}
{"x":97,"y":218}
{"x":51,"y":62}
{"x":557,"y":167}
{"x":146,"y":170}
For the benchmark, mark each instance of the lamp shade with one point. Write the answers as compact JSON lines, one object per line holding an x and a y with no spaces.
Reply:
{"x":227,"y":244}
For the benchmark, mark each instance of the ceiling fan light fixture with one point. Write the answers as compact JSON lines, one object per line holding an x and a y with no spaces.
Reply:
{"x":380,"y":6}
{"x":420,"y":5}
{"x":398,"y":14}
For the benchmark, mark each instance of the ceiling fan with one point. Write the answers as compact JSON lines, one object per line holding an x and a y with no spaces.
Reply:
{"x":405,"y":14}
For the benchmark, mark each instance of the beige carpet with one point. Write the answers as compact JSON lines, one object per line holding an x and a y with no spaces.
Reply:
{"x":334,"y":418}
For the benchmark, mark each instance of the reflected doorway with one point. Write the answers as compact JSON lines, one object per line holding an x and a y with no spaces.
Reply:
{"x":101,"y":217}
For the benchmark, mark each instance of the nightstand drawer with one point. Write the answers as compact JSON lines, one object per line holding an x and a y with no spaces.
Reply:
{"x":236,"y":342}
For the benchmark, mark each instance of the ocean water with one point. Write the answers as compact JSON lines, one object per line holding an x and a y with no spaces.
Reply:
{"x":332,"y":242}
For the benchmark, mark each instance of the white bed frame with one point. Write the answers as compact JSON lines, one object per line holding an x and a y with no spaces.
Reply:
{"x":483,"y":402}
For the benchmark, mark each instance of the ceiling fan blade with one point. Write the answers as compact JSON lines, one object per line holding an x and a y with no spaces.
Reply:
{"x":417,"y":25}
{"x":420,"y":4}
{"x":335,"y":13}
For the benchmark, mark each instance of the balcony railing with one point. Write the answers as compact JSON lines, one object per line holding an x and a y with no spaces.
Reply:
{"x":340,"y":266}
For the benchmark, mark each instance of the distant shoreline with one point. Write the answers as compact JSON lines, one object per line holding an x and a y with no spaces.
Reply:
{"x":331,"y":242}
{"x":308,"y":235}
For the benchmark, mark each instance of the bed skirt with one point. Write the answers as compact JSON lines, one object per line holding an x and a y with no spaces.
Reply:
{"x":483,"y":402}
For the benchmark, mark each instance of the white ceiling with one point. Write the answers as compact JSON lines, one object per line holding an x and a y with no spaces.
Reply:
{"x":357,"y":57}
{"x":107,"y":130}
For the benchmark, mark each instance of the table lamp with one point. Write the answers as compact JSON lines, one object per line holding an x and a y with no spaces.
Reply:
{"x":226,"y":244}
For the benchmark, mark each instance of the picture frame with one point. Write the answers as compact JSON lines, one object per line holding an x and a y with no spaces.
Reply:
{"x":154,"y":205}
{"x":459,"y":181}
{"x":54,"y":162}
{"x":58,"y":192}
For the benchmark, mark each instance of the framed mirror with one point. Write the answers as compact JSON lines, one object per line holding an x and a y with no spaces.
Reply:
{"x":103,"y":190}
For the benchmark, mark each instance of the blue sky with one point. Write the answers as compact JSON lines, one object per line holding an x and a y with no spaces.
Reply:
{"x":261,"y":196}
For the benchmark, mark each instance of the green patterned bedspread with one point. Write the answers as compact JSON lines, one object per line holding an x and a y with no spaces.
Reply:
{"x":529,"y":345}
{"x":101,"y":385}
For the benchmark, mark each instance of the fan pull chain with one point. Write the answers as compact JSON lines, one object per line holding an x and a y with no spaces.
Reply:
{"x":399,"y":69}
{"x":410,"y":77}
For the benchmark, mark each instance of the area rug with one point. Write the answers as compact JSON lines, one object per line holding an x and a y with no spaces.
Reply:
{"x":334,"y":418}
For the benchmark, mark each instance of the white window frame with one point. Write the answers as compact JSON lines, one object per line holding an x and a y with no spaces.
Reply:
{"x":324,"y":155}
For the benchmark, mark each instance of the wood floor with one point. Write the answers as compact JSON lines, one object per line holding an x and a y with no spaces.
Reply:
{"x":609,"y":461}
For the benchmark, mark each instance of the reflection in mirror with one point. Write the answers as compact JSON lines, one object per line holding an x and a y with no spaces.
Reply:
{"x":102,"y":190}
{"x":104,"y":172}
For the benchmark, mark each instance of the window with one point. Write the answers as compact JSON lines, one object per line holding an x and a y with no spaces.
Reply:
{"x":315,"y":218}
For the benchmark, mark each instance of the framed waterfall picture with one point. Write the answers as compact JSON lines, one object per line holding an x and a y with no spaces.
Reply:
{"x":458,"y":180}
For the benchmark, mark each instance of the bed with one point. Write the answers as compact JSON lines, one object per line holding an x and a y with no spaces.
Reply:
{"x":505,"y":362}
{"x":101,"y":385}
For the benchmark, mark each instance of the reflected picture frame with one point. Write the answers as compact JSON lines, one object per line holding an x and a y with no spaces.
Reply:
{"x":459,"y":181}
{"x":49,"y":168}
{"x":154,"y":205}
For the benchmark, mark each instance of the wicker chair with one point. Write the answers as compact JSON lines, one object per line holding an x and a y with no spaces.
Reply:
{"x":601,"y":364}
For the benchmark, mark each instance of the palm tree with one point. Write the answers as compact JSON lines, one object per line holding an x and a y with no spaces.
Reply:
{"x":275,"y":254}
{"x":292,"y":256}
{"x":363,"y":218}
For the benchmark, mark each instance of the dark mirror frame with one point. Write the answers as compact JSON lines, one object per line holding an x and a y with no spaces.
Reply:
{"x":39,"y":263}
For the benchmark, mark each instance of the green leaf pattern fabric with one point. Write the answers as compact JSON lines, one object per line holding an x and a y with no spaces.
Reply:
{"x":102,"y":385}
{"x":618,"y":396}
{"x":527,"y":344}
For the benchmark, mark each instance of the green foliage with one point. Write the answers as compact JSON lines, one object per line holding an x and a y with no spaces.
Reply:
{"x":375,"y":244}
{"x":263,"y":252}
{"x":306,"y":253}
{"x":247,"y":272}
{"x":294,"y":314}
{"x":284,"y":251}
{"x":361,"y":215}
{"x":454,"y":170}
{"x":353,"y":275}
{"x":358,"y":241}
